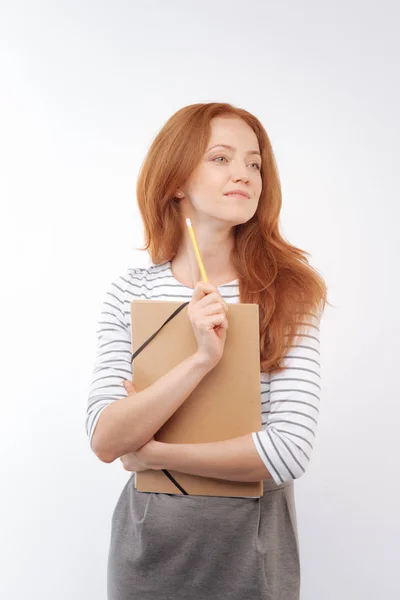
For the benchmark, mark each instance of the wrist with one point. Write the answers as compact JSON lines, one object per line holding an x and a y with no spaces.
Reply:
{"x":202,"y":363}
{"x":156,"y":461}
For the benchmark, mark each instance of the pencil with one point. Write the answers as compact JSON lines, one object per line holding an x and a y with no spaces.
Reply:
{"x":196,"y":251}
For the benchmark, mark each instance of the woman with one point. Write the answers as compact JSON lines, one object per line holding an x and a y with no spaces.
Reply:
{"x":213,"y":163}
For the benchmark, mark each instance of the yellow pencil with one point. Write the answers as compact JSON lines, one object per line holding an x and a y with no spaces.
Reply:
{"x":196,"y":250}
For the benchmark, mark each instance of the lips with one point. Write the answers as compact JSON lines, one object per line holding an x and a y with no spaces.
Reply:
{"x":241,"y":193}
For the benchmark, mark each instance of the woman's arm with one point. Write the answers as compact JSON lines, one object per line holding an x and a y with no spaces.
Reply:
{"x":236,"y":459}
{"x":118,"y":433}
{"x":118,"y":423}
{"x":117,"y":428}
{"x":282,"y":449}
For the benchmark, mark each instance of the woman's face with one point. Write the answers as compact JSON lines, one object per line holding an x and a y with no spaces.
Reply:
{"x":222,"y":170}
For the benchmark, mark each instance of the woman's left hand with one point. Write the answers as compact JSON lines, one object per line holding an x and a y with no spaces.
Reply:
{"x":142,"y":459}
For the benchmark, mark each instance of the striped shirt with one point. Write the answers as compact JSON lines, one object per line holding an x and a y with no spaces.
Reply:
{"x":289,"y":400}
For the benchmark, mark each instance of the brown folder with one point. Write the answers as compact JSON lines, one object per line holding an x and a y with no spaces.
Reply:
{"x":225,"y":404}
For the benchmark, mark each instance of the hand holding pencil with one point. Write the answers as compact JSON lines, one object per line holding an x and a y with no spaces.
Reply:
{"x":207,"y":312}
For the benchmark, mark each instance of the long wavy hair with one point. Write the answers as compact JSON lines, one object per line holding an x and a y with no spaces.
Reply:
{"x":272,"y":273}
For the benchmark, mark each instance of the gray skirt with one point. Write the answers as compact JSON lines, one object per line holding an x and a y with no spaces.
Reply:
{"x":174,"y":547}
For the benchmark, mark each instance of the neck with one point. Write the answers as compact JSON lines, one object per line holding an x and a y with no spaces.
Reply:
{"x":216,"y":244}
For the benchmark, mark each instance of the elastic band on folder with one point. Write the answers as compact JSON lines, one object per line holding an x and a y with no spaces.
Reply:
{"x":178,"y":310}
{"x":134,"y":355}
{"x":174,"y":481}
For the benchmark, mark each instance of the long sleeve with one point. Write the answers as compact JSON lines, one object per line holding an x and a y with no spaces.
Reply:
{"x":113,"y":355}
{"x":291,"y":409}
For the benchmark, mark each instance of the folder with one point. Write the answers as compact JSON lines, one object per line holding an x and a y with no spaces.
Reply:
{"x":226,"y":404}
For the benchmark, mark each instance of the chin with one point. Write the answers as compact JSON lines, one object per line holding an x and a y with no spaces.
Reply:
{"x":241,"y":222}
{"x":233,"y":216}
{"x":237,"y":220}
{"x":241,"y":216}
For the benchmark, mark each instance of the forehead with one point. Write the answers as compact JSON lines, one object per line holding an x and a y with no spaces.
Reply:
{"x":232,"y":131}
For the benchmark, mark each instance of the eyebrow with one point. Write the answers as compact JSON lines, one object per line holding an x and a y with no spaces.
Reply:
{"x":232,"y":148}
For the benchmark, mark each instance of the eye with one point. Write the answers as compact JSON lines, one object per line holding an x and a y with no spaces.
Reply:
{"x":258,"y":167}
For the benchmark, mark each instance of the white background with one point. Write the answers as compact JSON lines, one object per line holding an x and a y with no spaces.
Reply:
{"x":85,"y":88}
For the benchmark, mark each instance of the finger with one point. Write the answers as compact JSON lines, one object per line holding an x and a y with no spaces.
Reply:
{"x":215,"y":321}
{"x":128,"y":385}
{"x":213,"y":298}
{"x":127,"y":466}
{"x":129,"y":462}
{"x":124,"y":461}
{"x":216,"y":308}
{"x":202,"y":289}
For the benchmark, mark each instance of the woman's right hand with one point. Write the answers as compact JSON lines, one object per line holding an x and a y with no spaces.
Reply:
{"x":207,"y":312}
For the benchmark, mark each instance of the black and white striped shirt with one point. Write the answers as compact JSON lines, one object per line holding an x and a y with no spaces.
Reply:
{"x":289,"y":400}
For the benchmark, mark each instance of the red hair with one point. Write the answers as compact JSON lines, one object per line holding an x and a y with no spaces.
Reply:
{"x":272,"y":273}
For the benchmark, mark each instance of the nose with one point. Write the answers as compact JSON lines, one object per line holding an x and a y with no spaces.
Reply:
{"x":239,"y":171}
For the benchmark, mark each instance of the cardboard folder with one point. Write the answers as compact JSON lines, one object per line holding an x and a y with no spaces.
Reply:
{"x":226,"y":403}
